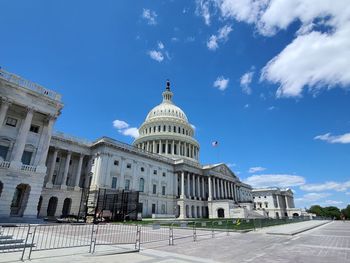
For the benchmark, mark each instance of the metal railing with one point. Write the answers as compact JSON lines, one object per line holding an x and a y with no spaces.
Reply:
{"x":13,"y":238}
{"x":58,"y":236}
{"x":29,"y":239}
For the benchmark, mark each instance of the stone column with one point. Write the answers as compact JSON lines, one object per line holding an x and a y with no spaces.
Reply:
{"x":5,"y":104}
{"x":173,"y":148}
{"x":192,"y":151}
{"x":203,"y":188}
{"x":66,"y":169}
{"x":286,"y":198}
{"x":222,"y":189}
{"x":182,"y":196}
{"x":198,"y":188}
{"x":188,"y":186}
{"x":176,"y":185}
{"x":160,"y":146}
{"x":210,"y":197}
{"x":166,"y":147}
{"x":214,"y":187}
{"x":21,"y":139}
{"x":194,"y":186}
{"x":44,"y":144}
{"x":78,"y":174}
{"x":49,"y":182}
{"x":154,"y":147}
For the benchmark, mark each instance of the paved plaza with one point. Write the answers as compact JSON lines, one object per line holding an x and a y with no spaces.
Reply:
{"x":329,"y":242}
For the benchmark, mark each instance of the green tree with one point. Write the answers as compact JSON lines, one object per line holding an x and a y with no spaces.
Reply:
{"x":346,"y":212}
{"x":316,"y":209}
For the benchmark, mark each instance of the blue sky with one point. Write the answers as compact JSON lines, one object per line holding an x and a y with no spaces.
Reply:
{"x":272,"y":89}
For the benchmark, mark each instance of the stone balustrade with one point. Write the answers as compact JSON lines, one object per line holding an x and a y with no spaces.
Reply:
{"x":27,"y":84}
{"x":28,"y":168}
{"x":4,"y":164}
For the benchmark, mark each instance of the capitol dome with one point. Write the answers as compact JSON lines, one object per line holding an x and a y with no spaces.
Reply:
{"x":167,"y":131}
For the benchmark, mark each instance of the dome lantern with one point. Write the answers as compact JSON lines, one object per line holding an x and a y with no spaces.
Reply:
{"x":167,"y":94}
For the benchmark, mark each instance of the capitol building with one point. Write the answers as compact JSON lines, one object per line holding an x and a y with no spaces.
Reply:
{"x":43,"y":173}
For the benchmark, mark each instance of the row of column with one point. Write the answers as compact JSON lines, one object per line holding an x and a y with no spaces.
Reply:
{"x":171,"y":147}
{"x":21,"y":139}
{"x":196,"y":190}
{"x":222,"y":189}
{"x":49,"y":183}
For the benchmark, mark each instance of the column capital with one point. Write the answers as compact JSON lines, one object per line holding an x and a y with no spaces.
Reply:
{"x":30,"y":109}
{"x":6,"y":101}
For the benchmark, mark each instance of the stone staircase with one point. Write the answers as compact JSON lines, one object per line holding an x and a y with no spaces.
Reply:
{"x":10,"y":243}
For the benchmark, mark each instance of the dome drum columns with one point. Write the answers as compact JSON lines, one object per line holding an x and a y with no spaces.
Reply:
{"x":171,"y":148}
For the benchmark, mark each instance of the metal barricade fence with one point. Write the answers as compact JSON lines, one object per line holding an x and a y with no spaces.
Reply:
{"x":116,"y":234}
{"x":58,"y":236}
{"x":13,"y":238}
{"x":155,"y":233}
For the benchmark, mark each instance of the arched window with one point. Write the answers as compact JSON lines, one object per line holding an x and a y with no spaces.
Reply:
{"x":142,"y":185}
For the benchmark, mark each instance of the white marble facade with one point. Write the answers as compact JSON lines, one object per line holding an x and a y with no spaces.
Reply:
{"x":42,"y":173}
{"x":275,"y":203}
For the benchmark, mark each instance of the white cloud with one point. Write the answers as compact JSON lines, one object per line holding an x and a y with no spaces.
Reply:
{"x":193,"y":127}
{"x":246,"y":79}
{"x":220,"y":37}
{"x":345,"y":138}
{"x":316,"y":58}
{"x":256,"y":169}
{"x":275,"y":180}
{"x":312,"y":197}
{"x":271,"y":108}
{"x":132,"y":132}
{"x":246,"y":106}
{"x":120,"y":124}
{"x":125,"y":129}
{"x":150,"y":16}
{"x":335,"y":186}
{"x":202,"y":9}
{"x":156,"y":55}
{"x":231,"y":165}
{"x":347,"y":193}
{"x":221,"y":83}
{"x":174,"y":39}
{"x":333,"y":202}
{"x":160,"y":45}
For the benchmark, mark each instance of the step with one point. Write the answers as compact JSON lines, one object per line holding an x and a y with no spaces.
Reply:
{"x":11,"y":241}
{"x":14,"y":246}
{"x":5,"y":237}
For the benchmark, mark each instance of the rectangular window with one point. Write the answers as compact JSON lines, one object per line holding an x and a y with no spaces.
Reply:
{"x":114,"y":183}
{"x":153,"y":208}
{"x":154,"y":172}
{"x":127,"y":185}
{"x":116,"y":162}
{"x":163,"y":190}
{"x":163,"y":148}
{"x":164,"y":174}
{"x":11,"y":122}
{"x":163,"y":208}
{"x":34,"y":128}
{"x":142,"y":169}
{"x":128,"y":166}
{"x":3,"y":152}
{"x":154,"y":189}
{"x":26,"y":157}
{"x":57,"y":159}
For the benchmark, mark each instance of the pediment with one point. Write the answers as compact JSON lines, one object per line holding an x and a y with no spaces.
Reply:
{"x":224,"y":170}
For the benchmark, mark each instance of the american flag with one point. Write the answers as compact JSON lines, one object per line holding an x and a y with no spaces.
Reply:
{"x":215,"y":143}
